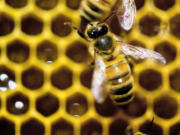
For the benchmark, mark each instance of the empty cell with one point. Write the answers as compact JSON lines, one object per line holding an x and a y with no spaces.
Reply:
{"x":77,"y":51}
{"x":7,"y":79}
{"x":17,"y":104}
{"x":175,"y":25}
{"x":58,"y":27}
{"x":62,"y":78}
{"x":6,"y":127}
{"x":174,"y":79}
{"x":149,"y":25}
{"x":76,"y":105}
{"x":32,"y":127}
{"x":62,"y":127}
{"x":167,"y":49}
{"x":150,"y":79}
{"x":33,"y":78}
{"x":16,"y":3}
{"x":139,"y":3}
{"x":151,"y":128}
{"x":73,"y":4}
{"x":46,"y":4}
{"x":165,"y":107}
{"x":91,"y":127}
{"x":47,"y":51}
{"x":106,"y":109}
{"x":47,"y":104}
{"x":6,"y":24}
{"x":18,"y":51}
{"x":118,"y":127}
{"x":31,"y":25}
{"x":164,"y":4}
{"x":137,"y":107}
{"x":86,"y":77}
{"x":174,"y":129}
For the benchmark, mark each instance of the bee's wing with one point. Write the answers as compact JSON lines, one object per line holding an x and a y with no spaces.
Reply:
{"x":142,"y":53}
{"x":126,"y":19}
{"x":98,"y":81}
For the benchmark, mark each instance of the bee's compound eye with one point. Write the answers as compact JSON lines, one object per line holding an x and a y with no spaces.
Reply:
{"x":93,"y":33}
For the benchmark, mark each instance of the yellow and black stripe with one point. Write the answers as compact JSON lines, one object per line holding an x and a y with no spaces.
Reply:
{"x":92,"y":10}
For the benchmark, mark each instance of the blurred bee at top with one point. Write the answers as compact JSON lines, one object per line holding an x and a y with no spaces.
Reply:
{"x":112,"y":72}
{"x":93,"y":10}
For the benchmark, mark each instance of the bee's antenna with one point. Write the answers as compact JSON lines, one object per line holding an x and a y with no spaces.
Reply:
{"x":150,"y":126}
{"x":78,"y":31}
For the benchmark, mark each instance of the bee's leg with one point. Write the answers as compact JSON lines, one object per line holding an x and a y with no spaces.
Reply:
{"x":81,"y":34}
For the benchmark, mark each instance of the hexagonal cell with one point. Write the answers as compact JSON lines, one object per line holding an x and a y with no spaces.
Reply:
{"x":7,"y":127}
{"x":77,"y":51}
{"x":86,"y":77}
{"x":73,"y":4}
{"x":91,"y":127}
{"x":31,"y":25}
{"x":17,"y":104}
{"x":163,"y":105}
{"x":139,"y":3}
{"x":47,"y":104}
{"x":18,"y":51}
{"x":151,"y":128}
{"x":174,"y":79}
{"x":32,"y":127}
{"x":150,"y":25}
{"x":164,"y":4}
{"x":76,"y":105}
{"x":6,"y":24}
{"x":106,"y":109}
{"x":58,"y":27}
{"x":33,"y":78}
{"x":118,"y":127}
{"x":150,"y":79}
{"x":114,"y":25}
{"x":47,"y":51}
{"x":46,"y":4}
{"x":7,"y":79}
{"x":137,"y":107}
{"x":62,"y":78}
{"x":175,"y":25}
{"x":62,"y":127}
{"x":167,"y":50}
{"x":174,"y":129}
{"x":16,"y":3}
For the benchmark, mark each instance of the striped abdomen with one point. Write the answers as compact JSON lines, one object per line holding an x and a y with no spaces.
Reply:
{"x":119,"y":81}
{"x":94,"y":10}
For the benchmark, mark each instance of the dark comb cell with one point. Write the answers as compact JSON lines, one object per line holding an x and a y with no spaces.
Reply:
{"x":164,"y":4}
{"x":31,"y":25}
{"x":46,"y":4}
{"x":6,"y":127}
{"x":58,"y":27}
{"x":150,"y":25}
{"x":17,"y":3}
{"x":150,"y":79}
{"x":47,"y":104}
{"x":62,"y":127}
{"x":76,"y":105}
{"x":18,"y":51}
{"x":62,"y":78}
{"x":33,"y":78}
{"x":175,"y":25}
{"x":91,"y":127}
{"x":6,"y":24}
{"x":17,"y":104}
{"x":73,"y":4}
{"x":139,"y":4}
{"x":174,"y":79}
{"x":174,"y":129}
{"x":32,"y":127}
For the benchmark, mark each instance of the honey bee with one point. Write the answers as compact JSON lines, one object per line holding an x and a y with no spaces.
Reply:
{"x":112,"y":73}
{"x":92,"y":10}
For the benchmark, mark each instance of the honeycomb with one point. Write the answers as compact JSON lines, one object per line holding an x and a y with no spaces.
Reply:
{"x":45,"y":80}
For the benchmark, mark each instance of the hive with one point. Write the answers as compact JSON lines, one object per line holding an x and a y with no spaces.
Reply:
{"x":48,"y":62}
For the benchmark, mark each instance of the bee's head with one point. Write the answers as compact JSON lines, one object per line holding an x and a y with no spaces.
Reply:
{"x":96,"y":29}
